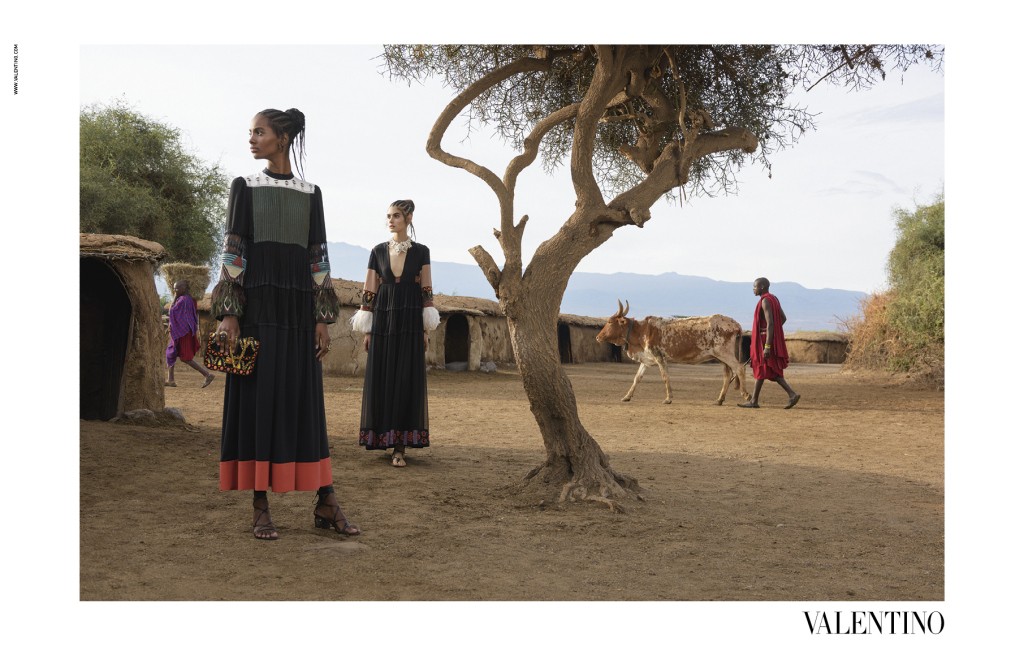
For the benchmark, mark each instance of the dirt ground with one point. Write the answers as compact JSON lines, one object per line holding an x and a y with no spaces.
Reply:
{"x":839,"y":499}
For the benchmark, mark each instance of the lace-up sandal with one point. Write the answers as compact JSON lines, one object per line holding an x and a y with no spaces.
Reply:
{"x":338,"y":522}
{"x":262,"y":527}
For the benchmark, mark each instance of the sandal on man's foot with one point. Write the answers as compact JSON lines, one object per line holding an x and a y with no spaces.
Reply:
{"x":209,"y":379}
{"x":398,"y":459}
{"x":263,"y":530}
{"x":338,"y":522}
{"x":792,"y":402}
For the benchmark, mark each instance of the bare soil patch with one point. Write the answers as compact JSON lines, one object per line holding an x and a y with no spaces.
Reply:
{"x":840,"y":498}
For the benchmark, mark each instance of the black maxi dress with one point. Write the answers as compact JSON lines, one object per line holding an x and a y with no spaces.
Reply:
{"x":395,"y":387}
{"x":275,"y":277}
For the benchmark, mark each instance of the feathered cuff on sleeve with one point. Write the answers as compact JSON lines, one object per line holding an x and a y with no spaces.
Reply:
{"x":431,"y":318}
{"x":362,"y":321}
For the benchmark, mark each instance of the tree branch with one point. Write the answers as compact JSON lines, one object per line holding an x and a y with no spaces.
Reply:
{"x":675,"y":161}
{"x":463,"y":100}
{"x":607,"y":82}
{"x":488,"y":265}
{"x":531,"y":144}
{"x":847,"y":62}
{"x":510,"y":237}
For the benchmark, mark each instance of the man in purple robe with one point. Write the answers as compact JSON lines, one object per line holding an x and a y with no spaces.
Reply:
{"x":184,"y":325}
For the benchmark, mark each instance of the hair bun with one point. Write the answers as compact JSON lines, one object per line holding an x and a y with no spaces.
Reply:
{"x":298,"y":118}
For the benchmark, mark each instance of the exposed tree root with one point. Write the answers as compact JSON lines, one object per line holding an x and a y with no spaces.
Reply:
{"x":601,"y":485}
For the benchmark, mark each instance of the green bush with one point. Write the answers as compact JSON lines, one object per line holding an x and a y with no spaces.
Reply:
{"x":903,"y":330}
{"x":917,"y":278}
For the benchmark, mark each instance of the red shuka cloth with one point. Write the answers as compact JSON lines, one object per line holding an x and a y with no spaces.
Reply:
{"x":768,"y":367}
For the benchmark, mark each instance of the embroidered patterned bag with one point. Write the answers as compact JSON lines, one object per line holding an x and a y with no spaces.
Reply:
{"x":241,"y":363}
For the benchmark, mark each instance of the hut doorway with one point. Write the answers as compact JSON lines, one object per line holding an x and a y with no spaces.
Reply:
{"x":564,"y":344}
{"x":105,"y":320}
{"x":456,"y":343}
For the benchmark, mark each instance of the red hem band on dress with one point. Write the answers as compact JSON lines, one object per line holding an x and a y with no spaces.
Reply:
{"x":262,"y":475}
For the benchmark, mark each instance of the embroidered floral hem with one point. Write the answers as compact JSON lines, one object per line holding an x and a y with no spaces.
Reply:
{"x":409,"y":438}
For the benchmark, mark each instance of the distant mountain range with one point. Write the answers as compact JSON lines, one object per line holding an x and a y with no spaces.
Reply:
{"x":664,"y":295}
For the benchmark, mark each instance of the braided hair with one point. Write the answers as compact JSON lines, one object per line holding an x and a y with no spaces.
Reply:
{"x":406,"y":206}
{"x":292,"y":123}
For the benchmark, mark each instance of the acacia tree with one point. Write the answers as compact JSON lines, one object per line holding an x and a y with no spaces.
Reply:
{"x":137,"y":178}
{"x":636,"y":122}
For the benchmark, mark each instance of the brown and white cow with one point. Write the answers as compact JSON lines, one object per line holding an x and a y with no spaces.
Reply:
{"x":657,"y":341}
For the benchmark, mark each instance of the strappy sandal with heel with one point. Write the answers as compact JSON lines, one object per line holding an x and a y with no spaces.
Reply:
{"x":339,"y":524}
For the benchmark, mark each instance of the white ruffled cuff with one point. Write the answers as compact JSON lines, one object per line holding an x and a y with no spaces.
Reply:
{"x":362,"y":321}
{"x":431,"y":318}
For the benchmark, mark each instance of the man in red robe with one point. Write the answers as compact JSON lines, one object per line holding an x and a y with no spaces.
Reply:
{"x":768,"y":354}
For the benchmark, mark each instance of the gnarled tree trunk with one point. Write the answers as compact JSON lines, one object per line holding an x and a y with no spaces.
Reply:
{"x":575,"y":466}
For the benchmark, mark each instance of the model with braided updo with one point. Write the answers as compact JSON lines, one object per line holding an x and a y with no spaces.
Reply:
{"x":396,"y":315}
{"x":275,"y":286}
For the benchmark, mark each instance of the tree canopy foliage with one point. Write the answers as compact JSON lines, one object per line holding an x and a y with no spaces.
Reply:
{"x":903,"y":329}
{"x":672,"y":93}
{"x":917,"y":276}
{"x":138,"y":179}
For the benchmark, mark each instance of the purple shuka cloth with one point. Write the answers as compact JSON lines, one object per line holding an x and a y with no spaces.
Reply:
{"x":184,"y":320}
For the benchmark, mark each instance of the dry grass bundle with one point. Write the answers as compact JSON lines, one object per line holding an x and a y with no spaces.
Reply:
{"x":198,"y":277}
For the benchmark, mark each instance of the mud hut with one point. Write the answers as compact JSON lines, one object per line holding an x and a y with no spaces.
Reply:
{"x":808,"y":347}
{"x":577,"y":340}
{"x":817,"y":347}
{"x":122,"y":340}
{"x":473,"y":334}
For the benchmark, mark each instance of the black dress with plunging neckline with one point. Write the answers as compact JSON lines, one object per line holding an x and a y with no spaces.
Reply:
{"x":394,"y":408}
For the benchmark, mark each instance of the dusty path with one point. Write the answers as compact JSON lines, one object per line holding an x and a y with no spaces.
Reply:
{"x":839,"y":499}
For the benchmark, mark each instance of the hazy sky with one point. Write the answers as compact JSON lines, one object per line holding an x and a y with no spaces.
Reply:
{"x":824,"y":219}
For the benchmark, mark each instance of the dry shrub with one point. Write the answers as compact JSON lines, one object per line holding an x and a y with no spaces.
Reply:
{"x":876,"y":344}
{"x":869,"y":335}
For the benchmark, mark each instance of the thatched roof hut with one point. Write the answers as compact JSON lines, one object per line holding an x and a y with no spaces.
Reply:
{"x":577,"y":340}
{"x":808,"y":347}
{"x":473,"y":332}
{"x":122,"y":340}
{"x":817,"y":347}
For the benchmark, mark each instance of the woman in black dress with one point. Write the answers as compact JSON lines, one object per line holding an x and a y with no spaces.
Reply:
{"x":397,"y":312}
{"x":276,"y":286}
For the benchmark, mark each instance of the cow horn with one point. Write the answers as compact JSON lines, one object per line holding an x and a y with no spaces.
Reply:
{"x":627,"y":309}
{"x":619,"y":313}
